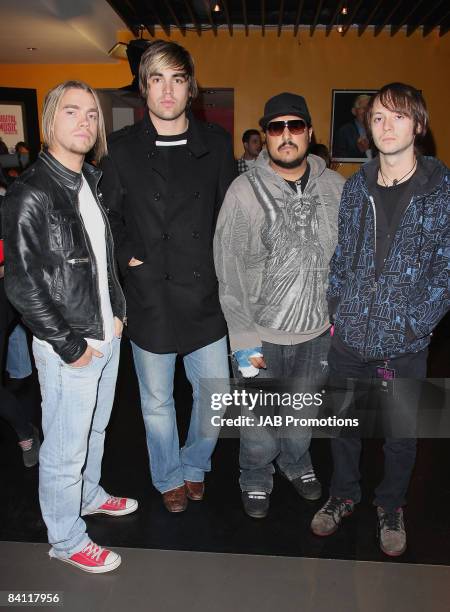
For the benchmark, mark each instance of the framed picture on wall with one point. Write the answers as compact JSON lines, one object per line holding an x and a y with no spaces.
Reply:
{"x":349,"y":141}
{"x":19,"y":119}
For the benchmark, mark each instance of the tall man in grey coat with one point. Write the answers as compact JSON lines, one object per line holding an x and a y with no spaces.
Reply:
{"x":275,"y":236}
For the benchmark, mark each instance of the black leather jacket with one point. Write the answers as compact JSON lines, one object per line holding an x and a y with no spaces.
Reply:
{"x":50,"y":269}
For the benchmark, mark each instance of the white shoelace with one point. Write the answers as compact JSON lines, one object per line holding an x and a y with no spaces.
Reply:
{"x":93,"y":551}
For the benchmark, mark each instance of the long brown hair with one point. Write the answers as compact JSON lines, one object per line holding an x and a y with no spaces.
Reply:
{"x":405,"y":99}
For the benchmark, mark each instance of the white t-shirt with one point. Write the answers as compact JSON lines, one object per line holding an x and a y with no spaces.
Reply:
{"x":95,"y":228}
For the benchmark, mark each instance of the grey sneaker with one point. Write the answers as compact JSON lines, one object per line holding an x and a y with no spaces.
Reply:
{"x":327,"y":519}
{"x":307,"y":486}
{"x":391,"y":531}
{"x":256,"y":503}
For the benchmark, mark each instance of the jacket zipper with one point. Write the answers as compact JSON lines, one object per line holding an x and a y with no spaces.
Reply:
{"x":78,"y":260}
{"x":375,"y":285}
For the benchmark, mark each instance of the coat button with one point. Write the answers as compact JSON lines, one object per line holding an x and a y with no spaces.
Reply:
{"x":165,"y":236}
{"x":195,"y":235}
{"x":157,"y":196}
{"x":168,"y":277}
{"x":196,"y":274}
{"x":196,"y":194}
{"x":152,"y":154}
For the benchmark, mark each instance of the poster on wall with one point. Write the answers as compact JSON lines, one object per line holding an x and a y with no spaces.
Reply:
{"x":349,"y":140}
{"x":12,"y":128}
{"x":19,"y":120}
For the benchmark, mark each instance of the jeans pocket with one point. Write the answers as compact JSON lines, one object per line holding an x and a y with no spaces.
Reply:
{"x":77,"y":368}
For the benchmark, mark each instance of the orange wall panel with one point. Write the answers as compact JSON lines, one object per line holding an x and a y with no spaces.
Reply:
{"x":258,"y":67}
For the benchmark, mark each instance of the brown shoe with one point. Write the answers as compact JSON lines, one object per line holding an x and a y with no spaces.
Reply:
{"x":195,"y":490}
{"x":175,"y":500}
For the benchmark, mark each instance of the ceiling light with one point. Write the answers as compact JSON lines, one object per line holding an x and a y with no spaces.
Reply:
{"x":31,"y":48}
{"x":344,"y":10}
{"x":216,"y":8}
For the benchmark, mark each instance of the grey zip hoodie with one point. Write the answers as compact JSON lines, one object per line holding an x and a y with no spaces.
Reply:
{"x":272,"y":249}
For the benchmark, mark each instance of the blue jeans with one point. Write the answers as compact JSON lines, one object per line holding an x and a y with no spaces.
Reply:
{"x":260,"y":446}
{"x":170,"y":466}
{"x":18,"y":362}
{"x":76,"y":406}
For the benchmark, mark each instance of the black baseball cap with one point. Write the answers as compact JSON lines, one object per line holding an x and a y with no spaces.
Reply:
{"x":285,"y":104}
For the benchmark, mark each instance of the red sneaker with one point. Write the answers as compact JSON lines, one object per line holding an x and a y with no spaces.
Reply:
{"x":117,"y":506}
{"x":94,"y":559}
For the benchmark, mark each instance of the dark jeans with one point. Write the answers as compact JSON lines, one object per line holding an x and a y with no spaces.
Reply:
{"x":260,"y":446}
{"x":399,"y":453}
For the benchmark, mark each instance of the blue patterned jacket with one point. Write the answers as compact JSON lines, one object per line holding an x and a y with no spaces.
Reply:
{"x":393,"y":314}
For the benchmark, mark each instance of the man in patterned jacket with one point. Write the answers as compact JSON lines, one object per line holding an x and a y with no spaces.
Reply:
{"x":275,"y":235}
{"x":389,"y":288}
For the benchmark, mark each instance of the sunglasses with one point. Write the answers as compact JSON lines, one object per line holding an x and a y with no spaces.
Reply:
{"x":295,"y":126}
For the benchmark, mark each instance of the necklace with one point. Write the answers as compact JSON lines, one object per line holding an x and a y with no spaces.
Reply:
{"x":395,"y":182}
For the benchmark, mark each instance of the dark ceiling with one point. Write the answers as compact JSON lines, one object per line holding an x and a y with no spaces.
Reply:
{"x":198,"y":15}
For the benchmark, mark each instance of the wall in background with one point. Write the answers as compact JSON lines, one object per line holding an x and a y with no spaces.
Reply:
{"x":258,"y":67}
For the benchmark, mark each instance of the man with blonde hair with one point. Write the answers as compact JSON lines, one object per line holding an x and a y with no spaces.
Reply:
{"x":60,"y":275}
{"x":164,"y":181}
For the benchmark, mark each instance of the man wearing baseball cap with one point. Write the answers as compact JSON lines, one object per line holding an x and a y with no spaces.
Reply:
{"x":275,"y":236}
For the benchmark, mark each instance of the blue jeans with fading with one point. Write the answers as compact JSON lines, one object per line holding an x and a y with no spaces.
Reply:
{"x":18,"y":362}
{"x":260,"y":446}
{"x":76,"y":407}
{"x":170,"y":466}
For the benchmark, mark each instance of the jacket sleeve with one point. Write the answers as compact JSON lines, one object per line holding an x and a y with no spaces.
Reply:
{"x":432,"y":300}
{"x":227,"y":173}
{"x":113,"y":197}
{"x":338,"y":262}
{"x":25,"y":230}
{"x":230,"y":247}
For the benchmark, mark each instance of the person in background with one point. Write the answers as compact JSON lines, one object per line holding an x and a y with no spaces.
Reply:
{"x":251,"y":139}
{"x":21,"y":147}
{"x":11,"y":409}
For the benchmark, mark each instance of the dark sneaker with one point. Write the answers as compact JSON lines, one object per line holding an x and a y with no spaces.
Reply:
{"x":391,"y":531}
{"x":30,"y":449}
{"x":256,"y":503}
{"x":327,"y":519}
{"x":307,"y":486}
